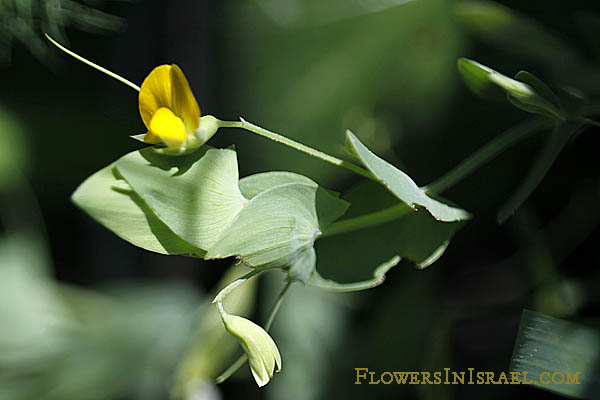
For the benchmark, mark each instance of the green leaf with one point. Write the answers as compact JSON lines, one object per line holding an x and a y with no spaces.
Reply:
{"x":401,"y":185}
{"x":540,"y":87}
{"x":549,"y":345}
{"x":196,"y":196}
{"x":329,"y":206}
{"x":531,"y":95}
{"x":318,"y":281}
{"x":193,"y":205}
{"x":278,"y":244}
{"x":555,"y":143}
{"x":543,"y":91}
{"x":274,"y":229}
{"x":281,"y":218}
{"x":109,"y":200}
{"x":415,"y":236}
{"x":302,"y":266}
{"x":252,"y":185}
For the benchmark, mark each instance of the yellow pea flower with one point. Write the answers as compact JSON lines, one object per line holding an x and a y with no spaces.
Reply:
{"x":170,"y":111}
{"x":167,"y":107}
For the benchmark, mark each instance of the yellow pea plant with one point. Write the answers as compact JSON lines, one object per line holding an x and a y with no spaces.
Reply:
{"x":180,"y":196}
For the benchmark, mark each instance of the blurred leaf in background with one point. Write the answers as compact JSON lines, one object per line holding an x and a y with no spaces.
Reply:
{"x":26,"y":21}
{"x":307,"y":330}
{"x":564,"y":351}
{"x":521,"y":34}
{"x":60,"y":342}
{"x":210,"y":347}
{"x":311,"y":13}
{"x":14,"y":152}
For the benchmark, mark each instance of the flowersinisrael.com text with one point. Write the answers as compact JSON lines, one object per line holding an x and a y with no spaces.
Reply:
{"x":468,"y":377}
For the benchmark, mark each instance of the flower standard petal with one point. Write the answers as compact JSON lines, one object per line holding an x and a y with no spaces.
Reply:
{"x":183,"y":102}
{"x":155,"y":93}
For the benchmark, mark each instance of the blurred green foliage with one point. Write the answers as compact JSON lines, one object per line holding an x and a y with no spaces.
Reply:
{"x":25,"y":21}
{"x":14,"y":159}
{"x":557,"y":352}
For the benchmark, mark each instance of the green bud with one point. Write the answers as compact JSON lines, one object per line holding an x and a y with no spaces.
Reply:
{"x":207,"y":128}
{"x":262,"y":351}
{"x":525,"y":91}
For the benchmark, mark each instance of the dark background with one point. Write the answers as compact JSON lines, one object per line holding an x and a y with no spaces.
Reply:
{"x":391,"y":77}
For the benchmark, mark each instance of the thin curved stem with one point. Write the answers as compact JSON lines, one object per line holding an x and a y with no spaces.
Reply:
{"x":240,"y":361}
{"x":588,"y":121}
{"x":489,"y":151}
{"x":243,"y":124}
{"x":277,"y":305}
{"x":229,"y":288}
{"x":232,"y":369}
{"x":367,"y":220}
{"x":93,"y":65}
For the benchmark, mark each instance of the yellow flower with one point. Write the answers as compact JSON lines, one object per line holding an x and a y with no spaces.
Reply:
{"x":167,"y":106}
{"x":170,"y":111}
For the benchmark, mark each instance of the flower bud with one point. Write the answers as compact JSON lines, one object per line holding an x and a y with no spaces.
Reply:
{"x":207,"y":128}
{"x":262,"y":351}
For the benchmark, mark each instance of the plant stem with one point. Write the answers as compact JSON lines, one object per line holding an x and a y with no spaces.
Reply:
{"x":232,"y":369}
{"x":501,"y":143}
{"x":93,"y":65}
{"x":243,"y":124}
{"x":588,"y":121}
{"x":367,"y":220}
{"x":489,"y":151}
{"x":229,"y":288}
{"x":277,"y":305}
{"x":240,"y":361}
